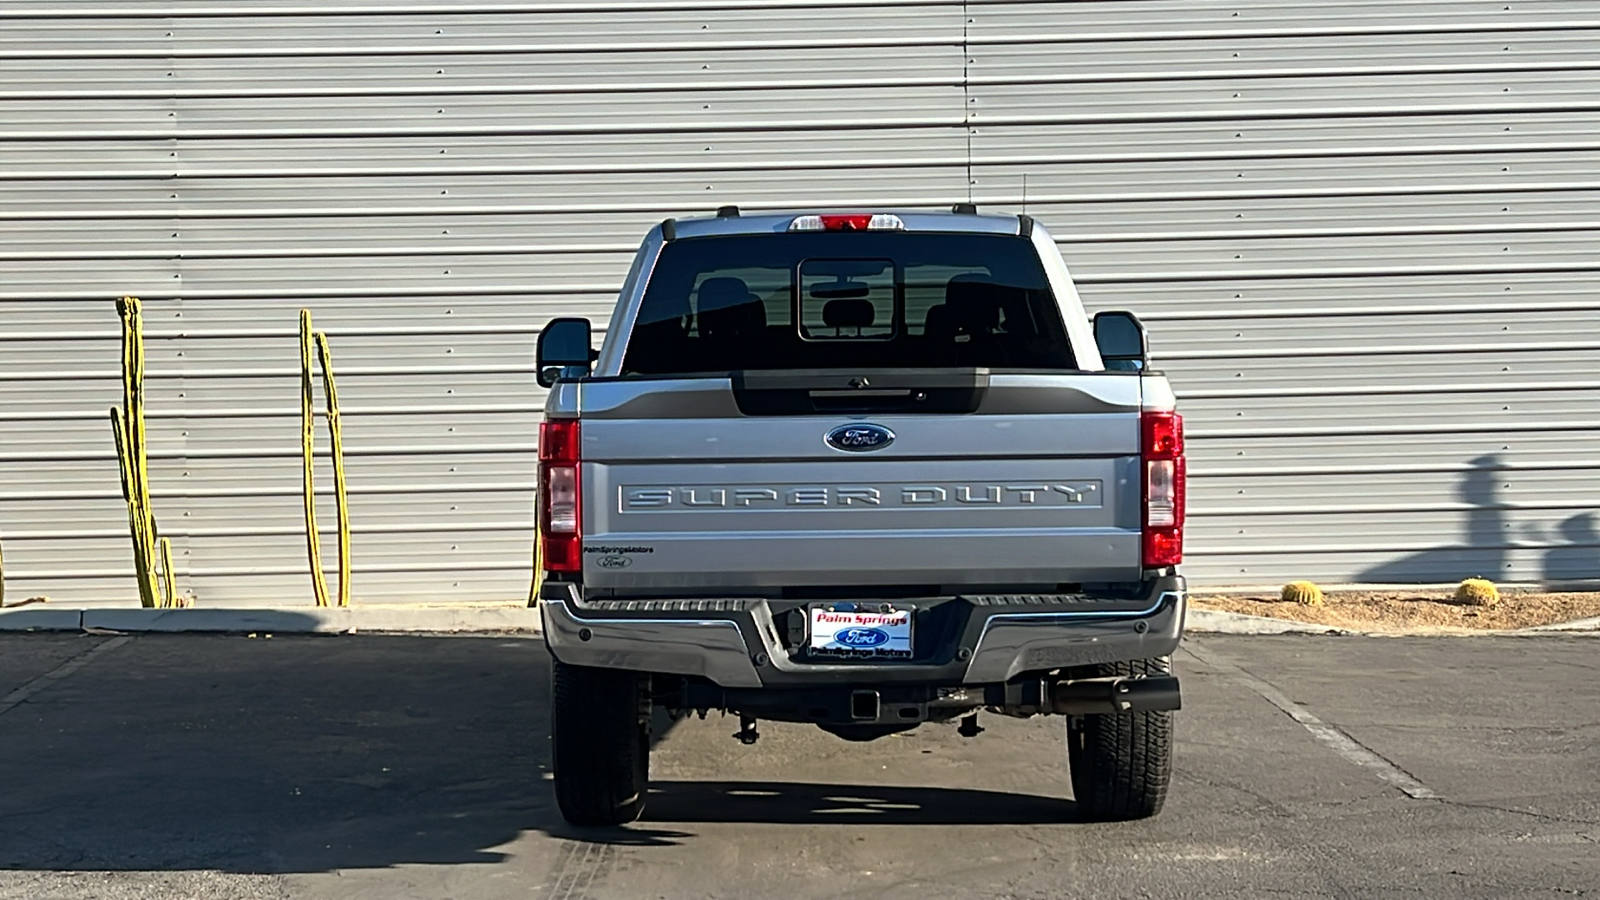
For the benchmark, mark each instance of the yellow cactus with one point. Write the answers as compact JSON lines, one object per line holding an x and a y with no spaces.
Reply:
{"x":319,"y":581}
{"x":128,"y":433}
{"x":1477,"y":592}
{"x":1304,"y":593}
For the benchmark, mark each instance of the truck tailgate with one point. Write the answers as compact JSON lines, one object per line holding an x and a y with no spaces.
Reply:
{"x":1039,"y":485}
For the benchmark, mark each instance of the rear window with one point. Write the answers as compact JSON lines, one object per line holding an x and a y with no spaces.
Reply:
{"x":847,"y":300}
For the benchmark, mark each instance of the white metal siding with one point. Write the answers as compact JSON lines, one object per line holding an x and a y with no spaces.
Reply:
{"x":1363,"y":234}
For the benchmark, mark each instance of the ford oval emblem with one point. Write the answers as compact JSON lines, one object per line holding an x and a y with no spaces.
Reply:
{"x":859,"y":438}
{"x":862,"y":637}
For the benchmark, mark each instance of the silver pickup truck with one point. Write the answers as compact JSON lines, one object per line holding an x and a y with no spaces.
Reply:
{"x":865,"y":471}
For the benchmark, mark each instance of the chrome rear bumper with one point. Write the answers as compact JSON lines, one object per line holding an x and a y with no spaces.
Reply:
{"x":736,"y":644}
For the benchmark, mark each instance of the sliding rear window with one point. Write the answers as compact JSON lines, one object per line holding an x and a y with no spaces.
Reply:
{"x":827,"y":300}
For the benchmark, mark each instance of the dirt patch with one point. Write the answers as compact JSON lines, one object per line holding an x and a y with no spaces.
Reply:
{"x":1404,"y":610}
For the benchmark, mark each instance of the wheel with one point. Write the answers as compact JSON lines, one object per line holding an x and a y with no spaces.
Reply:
{"x":600,"y":737}
{"x":1121,"y":763}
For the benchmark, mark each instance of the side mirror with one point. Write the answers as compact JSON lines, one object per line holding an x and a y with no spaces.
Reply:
{"x":563,"y":351}
{"x":1124,"y":347}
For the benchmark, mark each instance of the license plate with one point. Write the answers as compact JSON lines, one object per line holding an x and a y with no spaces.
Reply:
{"x":861,"y":635}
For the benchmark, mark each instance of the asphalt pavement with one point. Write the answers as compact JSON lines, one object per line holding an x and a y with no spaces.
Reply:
{"x":366,"y":766}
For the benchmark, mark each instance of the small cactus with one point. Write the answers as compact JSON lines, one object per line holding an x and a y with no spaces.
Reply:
{"x":1304,"y":593}
{"x":1477,"y":592}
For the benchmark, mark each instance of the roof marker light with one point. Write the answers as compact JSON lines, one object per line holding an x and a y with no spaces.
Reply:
{"x":848,"y":222}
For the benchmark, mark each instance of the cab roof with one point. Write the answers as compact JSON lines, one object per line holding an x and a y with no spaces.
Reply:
{"x":779,"y":222}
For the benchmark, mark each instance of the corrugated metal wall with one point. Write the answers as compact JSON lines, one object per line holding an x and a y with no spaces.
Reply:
{"x":1363,"y":235}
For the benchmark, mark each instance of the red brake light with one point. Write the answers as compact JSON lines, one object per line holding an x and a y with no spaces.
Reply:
{"x":560,"y":496}
{"x":853,"y":222}
{"x":1163,"y":435}
{"x":1161,"y":446}
{"x":558,"y":440}
{"x":848,"y":222}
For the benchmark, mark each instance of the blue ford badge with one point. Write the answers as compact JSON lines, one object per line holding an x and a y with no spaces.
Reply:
{"x":859,"y":438}
{"x":862,"y":637}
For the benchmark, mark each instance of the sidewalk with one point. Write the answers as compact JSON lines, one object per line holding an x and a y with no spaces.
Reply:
{"x":479,"y":618}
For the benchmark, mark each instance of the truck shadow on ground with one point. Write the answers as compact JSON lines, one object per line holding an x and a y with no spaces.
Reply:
{"x":296,"y":754}
{"x":789,"y":803}
{"x":320,"y":753}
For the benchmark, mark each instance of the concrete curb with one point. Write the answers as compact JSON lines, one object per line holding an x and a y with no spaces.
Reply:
{"x":312,"y":620}
{"x":40,"y":618}
{"x":525,"y":621}
{"x":1211,"y":621}
{"x":1580,"y":626}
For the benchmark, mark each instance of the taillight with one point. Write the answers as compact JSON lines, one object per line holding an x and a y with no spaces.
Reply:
{"x":848,"y":222}
{"x":560,"y":497}
{"x":1161,"y":435}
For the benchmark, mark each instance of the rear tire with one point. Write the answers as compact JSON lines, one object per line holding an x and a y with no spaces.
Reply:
{"x":600,"y":737}
{"x":1121,"y":763}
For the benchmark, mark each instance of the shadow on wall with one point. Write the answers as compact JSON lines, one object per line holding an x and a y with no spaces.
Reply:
{"x":1577,"y":564}
{"x":1488,"y":540}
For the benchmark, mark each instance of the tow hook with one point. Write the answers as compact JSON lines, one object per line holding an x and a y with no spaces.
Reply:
{"x":747,"y":733}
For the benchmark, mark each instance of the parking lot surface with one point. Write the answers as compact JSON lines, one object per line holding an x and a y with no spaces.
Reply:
{"x":192,"y":766}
